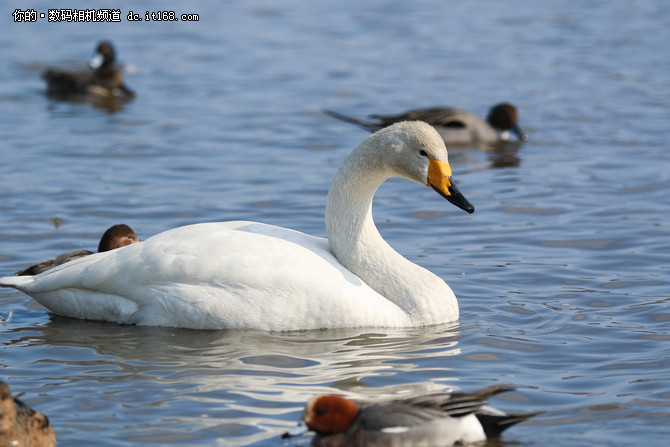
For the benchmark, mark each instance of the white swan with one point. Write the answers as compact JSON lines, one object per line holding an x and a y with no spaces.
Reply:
{"x":248,"y":275}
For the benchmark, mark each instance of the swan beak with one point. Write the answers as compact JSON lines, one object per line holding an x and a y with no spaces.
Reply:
{"x":439,"y":178}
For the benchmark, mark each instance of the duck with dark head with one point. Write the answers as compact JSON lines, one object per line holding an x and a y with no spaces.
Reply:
{"x":104,"y":79}
{"x":455,"y":126}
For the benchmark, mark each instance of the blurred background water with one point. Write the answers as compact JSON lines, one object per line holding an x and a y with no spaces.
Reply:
{"x":561,"y":273}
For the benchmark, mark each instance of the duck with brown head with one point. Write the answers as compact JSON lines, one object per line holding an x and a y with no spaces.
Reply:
{"x":20,"y":425}
{"x":436,"y":420}
{"x":116,"y":236}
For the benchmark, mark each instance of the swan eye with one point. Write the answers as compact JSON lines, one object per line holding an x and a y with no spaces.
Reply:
{"x":423,"y":153}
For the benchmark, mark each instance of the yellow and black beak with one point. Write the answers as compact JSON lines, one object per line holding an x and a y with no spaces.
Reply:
{"x":439,"y":178}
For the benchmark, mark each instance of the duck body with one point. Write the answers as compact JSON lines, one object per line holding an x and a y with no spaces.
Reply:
{"x":43,"y":266}
{"x":247,"y":275}
{"x":455,"y":126}
{"x":104,"y":80}
{"x":20,"y":425}
{"x":434,"y":420}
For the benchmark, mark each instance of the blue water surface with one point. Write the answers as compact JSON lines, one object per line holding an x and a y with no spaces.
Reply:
{"x":562,"y":273}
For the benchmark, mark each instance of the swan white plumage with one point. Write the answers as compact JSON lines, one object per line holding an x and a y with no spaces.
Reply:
{"x":248,"y":275}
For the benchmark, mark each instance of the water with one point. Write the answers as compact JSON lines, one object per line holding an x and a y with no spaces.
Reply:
{"x":561,"y":273}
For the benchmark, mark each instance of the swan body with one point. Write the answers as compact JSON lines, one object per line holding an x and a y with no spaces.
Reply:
{"x":248,"y":275}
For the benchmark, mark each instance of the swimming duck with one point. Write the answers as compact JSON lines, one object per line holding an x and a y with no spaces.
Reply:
{"x":116,"y":236}
{"x":104,"y":81}
{"x":248,"y":275}
{"x":20,"y":425}
{"x":454,"y":125}
{"x":435,"y":420}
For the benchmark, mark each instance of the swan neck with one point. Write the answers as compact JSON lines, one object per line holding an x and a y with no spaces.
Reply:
{"x":349,"y":222}
{"x":358,"y":246}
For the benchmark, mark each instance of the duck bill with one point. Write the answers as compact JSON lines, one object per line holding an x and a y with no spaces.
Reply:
{"x":519,"y":132}
{"x":439,"y":178}
{"x":298,"y":430}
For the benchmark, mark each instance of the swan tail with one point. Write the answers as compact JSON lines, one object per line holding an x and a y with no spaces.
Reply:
{"x":17,"y":282}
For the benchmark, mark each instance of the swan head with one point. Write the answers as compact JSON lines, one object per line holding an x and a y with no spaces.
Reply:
{"x":414,"y":150}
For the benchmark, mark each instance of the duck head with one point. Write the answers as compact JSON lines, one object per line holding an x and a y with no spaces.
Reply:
{"x":505,"y":118}
{"x":103,"y":56}
{"x":117,"y":236}
{"x":330,"y":414}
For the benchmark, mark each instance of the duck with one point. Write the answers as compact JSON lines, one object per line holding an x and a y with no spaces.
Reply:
{"x":433,"y":420}
{"x":250,"y":275}
{"x":104,"y":80}
{"x":114,"y":237}
{"x":456,"y":126}
{"x":20,"y":425}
